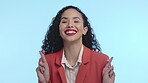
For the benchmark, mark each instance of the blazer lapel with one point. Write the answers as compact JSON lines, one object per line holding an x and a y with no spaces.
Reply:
{"x":84,"y":66}
{"x":62,"y":74}
{"x":61,"y":70}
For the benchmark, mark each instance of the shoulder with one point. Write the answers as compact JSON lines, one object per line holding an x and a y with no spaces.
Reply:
{"x":98,"y":57}
{"x":95,"y":56}
{"x":51,"y":57}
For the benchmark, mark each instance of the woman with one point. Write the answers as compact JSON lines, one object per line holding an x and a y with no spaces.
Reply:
{"x":71,"y":53}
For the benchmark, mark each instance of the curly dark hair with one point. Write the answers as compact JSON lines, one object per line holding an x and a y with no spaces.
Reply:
{"x":53,"y":42}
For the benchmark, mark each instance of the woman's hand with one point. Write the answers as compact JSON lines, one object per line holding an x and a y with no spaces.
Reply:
{"x":43,"y":70}
{"x":108,"y":72}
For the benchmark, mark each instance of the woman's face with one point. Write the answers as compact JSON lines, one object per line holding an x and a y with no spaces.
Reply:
{"x":71,"y":26}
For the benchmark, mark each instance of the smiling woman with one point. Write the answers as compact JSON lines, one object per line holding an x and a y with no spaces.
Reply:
{"x":53,"y":42}
{"x":71,"y":26}
{"x":71,"y":53}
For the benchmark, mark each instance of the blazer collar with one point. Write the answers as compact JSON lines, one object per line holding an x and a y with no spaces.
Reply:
{"x":85,"y":56}
{"x":59,"y":57}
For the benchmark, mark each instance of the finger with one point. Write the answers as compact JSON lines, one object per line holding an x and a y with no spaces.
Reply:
{"x":106,"y":67}
{"x":113,"y":76}
{"x":41,"y":63}
{"x":42,"y":56}
{"x":38,"y":71}
{"x":111,"y":73}
{"x":109,"y":62}
{"x":40,"y":60}
{"x":107,"y":71}
{"x":41,"y":69}
{"x":110,"y":69}
{"x":43,"y":51}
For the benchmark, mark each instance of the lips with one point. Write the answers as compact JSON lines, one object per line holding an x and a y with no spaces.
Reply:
{"x":70,"y":32}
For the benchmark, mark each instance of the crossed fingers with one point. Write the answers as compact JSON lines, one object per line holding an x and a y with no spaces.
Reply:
{"x":108,"y":69}
{"x":42,"y":62}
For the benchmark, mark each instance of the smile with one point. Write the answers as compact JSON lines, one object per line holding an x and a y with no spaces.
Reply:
{"x":70,"y":32}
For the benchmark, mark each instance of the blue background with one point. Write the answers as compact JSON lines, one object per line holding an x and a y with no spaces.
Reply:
{"x":121,"y":27}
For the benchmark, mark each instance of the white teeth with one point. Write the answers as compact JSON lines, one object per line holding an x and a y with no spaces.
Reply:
{"x":70,"y":32}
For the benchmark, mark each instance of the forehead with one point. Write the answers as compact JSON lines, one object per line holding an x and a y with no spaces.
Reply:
{"x":71,"y":13}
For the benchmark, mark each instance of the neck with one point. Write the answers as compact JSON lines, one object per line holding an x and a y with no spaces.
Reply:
{"x":71,"y":51}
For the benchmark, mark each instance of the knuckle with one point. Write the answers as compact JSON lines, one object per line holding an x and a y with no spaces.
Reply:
{"x":37,"y":69}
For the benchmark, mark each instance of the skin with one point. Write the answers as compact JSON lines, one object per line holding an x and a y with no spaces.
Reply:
{"x":42,"y":69}
{"x":108,"y":73}
{"x":72,"y":19}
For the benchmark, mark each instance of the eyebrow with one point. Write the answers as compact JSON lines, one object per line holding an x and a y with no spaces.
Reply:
{"x":76,"y":18}
{"x":73,"y":18}
{"x":64,"y":18}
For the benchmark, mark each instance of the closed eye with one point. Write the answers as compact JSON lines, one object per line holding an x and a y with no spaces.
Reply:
{"x":64,"y":21}
{"x":76,"y":21}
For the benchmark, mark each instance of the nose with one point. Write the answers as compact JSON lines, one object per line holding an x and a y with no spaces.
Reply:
{"x":70,"y":24}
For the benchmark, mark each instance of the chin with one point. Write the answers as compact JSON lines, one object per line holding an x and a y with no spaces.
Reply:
{"x":72,"y":39}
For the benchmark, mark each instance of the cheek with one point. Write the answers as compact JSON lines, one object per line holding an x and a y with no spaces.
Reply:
{"x":61,"y":30}
{"x":60,"y":27}
{"x":78,"y":25}
{"x":83,"y":31}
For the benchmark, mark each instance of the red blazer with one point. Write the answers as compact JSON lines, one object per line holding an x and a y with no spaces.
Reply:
{"x":90,"y":71}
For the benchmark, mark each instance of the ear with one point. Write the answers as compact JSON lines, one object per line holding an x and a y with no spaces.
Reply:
{"x":85,"y":30}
